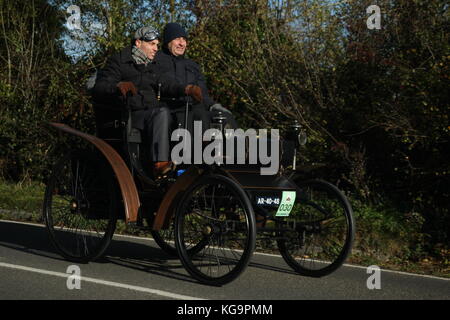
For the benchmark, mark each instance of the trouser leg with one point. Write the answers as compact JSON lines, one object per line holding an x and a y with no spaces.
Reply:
{"x":157,"y":124}
{"x":196,"y":112}
{"x":199,"y":113}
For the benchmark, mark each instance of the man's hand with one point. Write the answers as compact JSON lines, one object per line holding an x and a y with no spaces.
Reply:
{"x":125,"y":87}
{"x":194,"y":91}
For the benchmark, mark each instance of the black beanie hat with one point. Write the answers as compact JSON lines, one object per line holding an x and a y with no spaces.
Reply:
{"x":172,"y":31}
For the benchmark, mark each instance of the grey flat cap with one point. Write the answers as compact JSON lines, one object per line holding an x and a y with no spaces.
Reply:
{"x":146,"y":34}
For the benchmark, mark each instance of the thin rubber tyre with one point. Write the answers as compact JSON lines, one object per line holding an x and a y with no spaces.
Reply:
{"x":165,"y":239}
{"x":216,"y":215}
{"x":80,"y":206}
{"x":319,"y":231}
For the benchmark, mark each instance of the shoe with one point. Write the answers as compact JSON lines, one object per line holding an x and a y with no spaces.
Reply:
{"x":161,"y":168}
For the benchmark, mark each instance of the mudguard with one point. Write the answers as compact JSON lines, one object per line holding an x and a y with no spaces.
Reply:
{"x":172,"y":197}
{"x":127,"y":186}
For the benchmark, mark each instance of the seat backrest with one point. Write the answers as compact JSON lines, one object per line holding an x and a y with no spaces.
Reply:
{"x":114,"y":125}
{"x":109,"y":121}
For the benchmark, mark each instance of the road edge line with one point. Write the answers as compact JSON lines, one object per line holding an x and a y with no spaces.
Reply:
{"x":261,"y":253}
{"x":102,"y":282}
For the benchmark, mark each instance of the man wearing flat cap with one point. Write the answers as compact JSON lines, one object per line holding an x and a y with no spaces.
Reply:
{"x":132,"y":72}
{"x":172,"y":60}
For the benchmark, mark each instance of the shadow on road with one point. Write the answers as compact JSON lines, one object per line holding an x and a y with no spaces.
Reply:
{"x":34,"y":239}
{"x":31,"y":239}
{"x":128,"y":253}
{"x":143,"y":257}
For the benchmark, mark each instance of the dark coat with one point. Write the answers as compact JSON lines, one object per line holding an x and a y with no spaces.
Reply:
{"x":186,"y":71}
{"x":146,"y":78}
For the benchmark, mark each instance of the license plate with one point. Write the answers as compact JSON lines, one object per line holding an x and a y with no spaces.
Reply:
{"x":268,"y":201}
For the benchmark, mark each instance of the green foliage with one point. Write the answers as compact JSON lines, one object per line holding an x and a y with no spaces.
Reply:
{"x":34,"y":65}
{"x":385,"y":234}
{"x":374,"y":102}
{"x":27,"y":196}
{"x":393,"y":84}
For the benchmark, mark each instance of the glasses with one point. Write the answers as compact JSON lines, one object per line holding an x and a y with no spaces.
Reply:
{"x":150,"y":36}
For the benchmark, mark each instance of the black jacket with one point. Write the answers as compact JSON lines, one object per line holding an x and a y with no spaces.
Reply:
{"x":185,"y":70}
{"x":146,"y":78}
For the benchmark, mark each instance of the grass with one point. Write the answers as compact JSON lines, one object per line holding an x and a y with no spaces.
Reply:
{"x":384,"y":237}
{"x":390,"y":239}
{"x":21,"y":201}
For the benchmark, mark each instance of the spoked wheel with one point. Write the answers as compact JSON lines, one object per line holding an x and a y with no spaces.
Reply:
{"x":165,"y":239}
{"x":215,"y":217}
{"x":319,"y":231}
{"x":80,"y":206}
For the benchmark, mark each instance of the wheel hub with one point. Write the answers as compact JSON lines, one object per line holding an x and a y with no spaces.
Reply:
{"x":207,"y":230}
{"x":78,"y":206}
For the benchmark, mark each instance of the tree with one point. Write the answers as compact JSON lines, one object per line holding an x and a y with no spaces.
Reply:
{"x":395,"y":104}
{"x":34,"y":64}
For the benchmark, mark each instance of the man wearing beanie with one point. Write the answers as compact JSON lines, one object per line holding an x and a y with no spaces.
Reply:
{"x":132,"y":72}
{"x":172,"y":60}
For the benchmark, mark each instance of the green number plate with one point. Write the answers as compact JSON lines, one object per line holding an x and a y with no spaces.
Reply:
{"x":287,"y":203}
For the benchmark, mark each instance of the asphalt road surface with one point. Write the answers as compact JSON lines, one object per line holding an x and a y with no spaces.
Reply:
{"x":135,"y":268}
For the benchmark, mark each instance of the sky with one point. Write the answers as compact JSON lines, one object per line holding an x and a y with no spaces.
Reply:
{"x":81,"y":27}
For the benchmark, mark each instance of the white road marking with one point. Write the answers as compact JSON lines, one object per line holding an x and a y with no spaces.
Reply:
{"x":25,"y":223}
{"x":262,"y":254}
{"x":102,"y":282}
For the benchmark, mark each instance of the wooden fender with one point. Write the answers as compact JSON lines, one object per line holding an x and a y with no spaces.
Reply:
{"x":172,"y":197}
{"x":127,"y":186}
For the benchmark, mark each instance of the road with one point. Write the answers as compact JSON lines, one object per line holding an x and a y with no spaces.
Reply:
{"x":135,"y":268}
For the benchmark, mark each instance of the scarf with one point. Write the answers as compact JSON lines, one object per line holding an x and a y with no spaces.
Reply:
{"x":139,"y":56}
